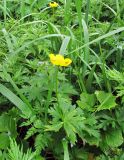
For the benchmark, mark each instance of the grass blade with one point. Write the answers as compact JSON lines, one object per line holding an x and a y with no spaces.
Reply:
{"x":8,"y":41}
{"x":22,"y":8}
{"x":67,"y":12}
{"x":90,"y":79}
{"x":64,"y":45}
{"x":87,"y":11}
{"x":111,"y":33}
{"x":78,"y":8}
{"x":9,"y":79}
{"x":86,"y":41}
{"x":15,"y":100}
{"x":5,"y":11}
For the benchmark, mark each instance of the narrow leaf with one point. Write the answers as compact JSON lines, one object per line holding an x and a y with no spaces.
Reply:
{"x":15,"y":100}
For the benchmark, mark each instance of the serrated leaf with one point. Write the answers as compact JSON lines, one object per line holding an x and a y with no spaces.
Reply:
{"x":68,"y":117}
{"x":41,"y":141}
{"x":107,"y":100}
{"x":67,"y":88}
{"x":38,"y":124}
{"x":54,"y":127}
{"x":87,"y":101}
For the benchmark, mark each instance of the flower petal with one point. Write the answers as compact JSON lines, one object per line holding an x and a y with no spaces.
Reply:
{"x":68,"y":61}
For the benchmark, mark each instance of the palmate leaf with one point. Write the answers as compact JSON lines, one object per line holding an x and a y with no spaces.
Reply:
{"x":90,"y":132}
{"x":67,"y":117}
{"x":106,"y":100}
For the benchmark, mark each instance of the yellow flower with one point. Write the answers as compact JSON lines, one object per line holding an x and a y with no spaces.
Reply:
{"x":53,"y":4}
{"x":59,"y":60}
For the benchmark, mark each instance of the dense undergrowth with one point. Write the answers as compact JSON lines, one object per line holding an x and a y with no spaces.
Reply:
{"x":69,"y":109}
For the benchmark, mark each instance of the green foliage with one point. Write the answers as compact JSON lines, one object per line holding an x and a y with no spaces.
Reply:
{"x":41,"y":142}
{"x":69,"y":113}
{"x":106,"y":100}
{"x":8,"y":127}
{"x":67,"y":116}
{"x":114,"y":138}
{"x":87,"y":101}
{"x":14,"y":99}
{"x":16,"y":153}
{"x":4,"y":138}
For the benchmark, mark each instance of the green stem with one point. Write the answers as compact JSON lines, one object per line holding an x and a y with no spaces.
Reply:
{"x":53,"y":10}
{"x":57,"y":71}
{"x":48,"y":98}
{"x":65,"y":147}
{"x":48,"y":102}
{"x":50,"y":93}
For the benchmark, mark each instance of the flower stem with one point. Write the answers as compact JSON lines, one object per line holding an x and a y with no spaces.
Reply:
{"x":57,"y":71}
{"x":48,"y":102}
{"x":66,"y":152}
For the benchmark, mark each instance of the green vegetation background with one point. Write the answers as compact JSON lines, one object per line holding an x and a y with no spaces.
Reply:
{"x":63,"y":113}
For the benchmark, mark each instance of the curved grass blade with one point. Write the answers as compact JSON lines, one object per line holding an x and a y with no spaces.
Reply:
{"x":64,"y":45}
{"x":9,"y":79}
{"x":15,"y":100}
{"x":8,"y":41}
{"x":111,"y":33}
{"x":38,"y":39}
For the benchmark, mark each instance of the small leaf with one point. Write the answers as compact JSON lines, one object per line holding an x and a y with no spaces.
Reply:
{"x":87,"y":101}
{"x":54,"y":127}
{"x":66,"y":88}
{"x":38,"y":124}
{"x":107,"y":100}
